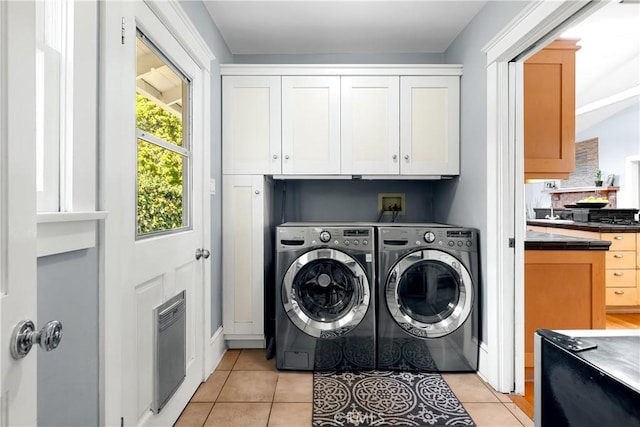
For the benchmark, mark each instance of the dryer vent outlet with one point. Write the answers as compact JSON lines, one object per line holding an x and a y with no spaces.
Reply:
{"x":391,"y":203}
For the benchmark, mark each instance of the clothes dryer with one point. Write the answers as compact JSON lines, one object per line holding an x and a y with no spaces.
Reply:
{"x":325,"y":293}
{"x":427,"y":316}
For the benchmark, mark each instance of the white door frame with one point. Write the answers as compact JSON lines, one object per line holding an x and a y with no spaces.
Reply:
{"x":18,"y":268}
{"x":528,"y":32}
{"x":173,"y":17}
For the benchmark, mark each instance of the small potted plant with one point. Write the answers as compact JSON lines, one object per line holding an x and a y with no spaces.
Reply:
{"x":598,"y":178}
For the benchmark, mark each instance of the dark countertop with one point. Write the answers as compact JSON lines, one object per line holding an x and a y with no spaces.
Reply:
{"x":588,"y":226}
{"x":554,"y":242}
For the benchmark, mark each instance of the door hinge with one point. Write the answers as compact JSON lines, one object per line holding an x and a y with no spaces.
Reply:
{"x":512,"y":242}
{"x":122,"y":32}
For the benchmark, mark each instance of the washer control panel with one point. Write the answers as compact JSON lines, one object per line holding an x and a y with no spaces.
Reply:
{"x":334,"y":237}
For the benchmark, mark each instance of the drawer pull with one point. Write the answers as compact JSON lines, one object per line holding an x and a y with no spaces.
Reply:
{"x":618,"y":273}
{"x":618,"y":237}
{"x":618,"y":292}
{"x":618,"y":256}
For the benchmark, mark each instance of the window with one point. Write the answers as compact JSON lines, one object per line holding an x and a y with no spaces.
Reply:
{"x":164,"y":153}
{"x":54,"y":32}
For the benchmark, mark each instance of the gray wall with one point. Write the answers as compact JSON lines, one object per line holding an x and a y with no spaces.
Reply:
{"x":463,"y":201}
{"x":389,"y":58}
{"x":68,"y":376}
{"x":209,"y":32}
{"x":336,"y":201}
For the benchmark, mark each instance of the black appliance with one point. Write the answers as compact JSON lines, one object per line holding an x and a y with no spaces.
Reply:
{"x":587,"y":378}
{"x":608,"y":216}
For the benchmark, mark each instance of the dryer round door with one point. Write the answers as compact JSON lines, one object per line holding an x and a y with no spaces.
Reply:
{"x":429,"y":293}
{"x":325,"y":293}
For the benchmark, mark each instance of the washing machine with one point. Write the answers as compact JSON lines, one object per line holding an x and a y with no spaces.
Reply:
{"x":427,"y":317}
{"x":325,"y":297}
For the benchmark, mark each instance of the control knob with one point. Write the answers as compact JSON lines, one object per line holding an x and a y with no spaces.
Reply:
{"x":325,"y":236}
{"x":429,"y":237}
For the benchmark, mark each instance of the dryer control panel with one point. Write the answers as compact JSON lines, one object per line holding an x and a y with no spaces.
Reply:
{"x":413,"y":237}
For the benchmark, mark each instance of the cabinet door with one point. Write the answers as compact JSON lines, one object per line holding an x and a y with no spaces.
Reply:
{"x":251,"y":125}
{"x":242,"y":257}
{"x":549,"y":112}
{"x":311,"y":125}
{"x":430,"y":125}
{"x":370,"y":120}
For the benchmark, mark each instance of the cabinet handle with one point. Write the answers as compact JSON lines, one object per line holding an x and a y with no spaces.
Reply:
{"x":394,"y":157}
{"x":618,"y":292}
{"x":406,"y":157}
{"x":618,"y":237}
{"x":257,"y":191}
{"x":618,"y":273}
{"x":275,"y":156}
{"x":618,"y":256}
{"x":286,"y":157}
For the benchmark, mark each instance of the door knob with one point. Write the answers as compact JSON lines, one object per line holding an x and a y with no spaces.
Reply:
{"x":25,"y":336}
{"x":202,"y":253}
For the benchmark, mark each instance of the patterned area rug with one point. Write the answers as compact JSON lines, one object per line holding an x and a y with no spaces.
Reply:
{"x":384,"y":398}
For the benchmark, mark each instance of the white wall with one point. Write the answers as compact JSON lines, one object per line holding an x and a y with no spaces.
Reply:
{"x":618,"y":138}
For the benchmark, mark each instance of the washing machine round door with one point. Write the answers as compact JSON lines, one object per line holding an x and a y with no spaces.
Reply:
{"x":325,"y":293}
{"x":429,"y":293}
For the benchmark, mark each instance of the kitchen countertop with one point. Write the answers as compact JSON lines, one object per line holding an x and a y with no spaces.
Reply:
{"x":548,"y":242}
{"x":587,"y":226}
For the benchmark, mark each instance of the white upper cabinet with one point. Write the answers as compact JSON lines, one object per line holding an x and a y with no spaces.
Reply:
{"x":430,"y":125}
{"x":311,"y":125}
{"x":370,"y":123}
{"x":251,"y":125}
{"x":371,"y":120}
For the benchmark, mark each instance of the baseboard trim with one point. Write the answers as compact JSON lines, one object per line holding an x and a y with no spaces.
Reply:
{"x":216,"y":351}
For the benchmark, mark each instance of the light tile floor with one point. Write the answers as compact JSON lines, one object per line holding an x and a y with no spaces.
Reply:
{"x":247,"y":390}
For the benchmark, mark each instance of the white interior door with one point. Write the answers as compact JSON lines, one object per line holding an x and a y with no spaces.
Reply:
{"x":149,"y":258}
{"x":18,"y":290}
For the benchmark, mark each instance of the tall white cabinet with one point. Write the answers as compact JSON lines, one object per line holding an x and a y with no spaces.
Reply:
{"x":246,"y":253}
{"x":371,"y":121}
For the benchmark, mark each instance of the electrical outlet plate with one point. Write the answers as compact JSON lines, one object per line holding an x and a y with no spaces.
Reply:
{"x":387,"y":200}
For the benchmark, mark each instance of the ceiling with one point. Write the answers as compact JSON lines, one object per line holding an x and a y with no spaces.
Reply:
{"x":330,"y":27}
{"x":607,"y":64}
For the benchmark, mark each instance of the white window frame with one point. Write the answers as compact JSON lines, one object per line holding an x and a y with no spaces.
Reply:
{"x":68,"y":220}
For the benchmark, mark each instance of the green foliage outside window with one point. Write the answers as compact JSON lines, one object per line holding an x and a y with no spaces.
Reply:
{"x":160,"y":171}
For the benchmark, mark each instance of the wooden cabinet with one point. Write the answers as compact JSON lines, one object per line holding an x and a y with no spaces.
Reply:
{"x":246,"y":243}
{"x":429,"y":125}
{"x":549,"y":111}
{"x":622,"y":265}
{"x":621,"y":271}
{"x":370,"y":121}
{"x":251,"y":125}
{"x":311,"y":125}
{"x":563,"y":290}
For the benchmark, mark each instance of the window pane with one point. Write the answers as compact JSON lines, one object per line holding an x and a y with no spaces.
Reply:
{"x":163,"y":146}
{"x":161,"y":94}
{"x":160,"y":189}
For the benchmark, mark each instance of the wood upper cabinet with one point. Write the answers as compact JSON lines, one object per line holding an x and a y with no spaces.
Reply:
{"x":430,"y":125}
{"x":370,"y":120}
{"x":311,"y":125}
{"x":251,"y":125}
{"x":549,"y":111}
